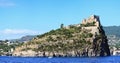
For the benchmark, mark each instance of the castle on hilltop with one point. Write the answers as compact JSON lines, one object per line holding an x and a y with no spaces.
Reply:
{"x":92,"y":18}
{"x":92,"y":23}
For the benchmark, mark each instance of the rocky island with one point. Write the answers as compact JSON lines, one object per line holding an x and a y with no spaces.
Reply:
{"x":78,"y":40}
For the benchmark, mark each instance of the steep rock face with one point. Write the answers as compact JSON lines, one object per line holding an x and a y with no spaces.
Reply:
{"x":100,"y":45}
{"x":85,"y":39}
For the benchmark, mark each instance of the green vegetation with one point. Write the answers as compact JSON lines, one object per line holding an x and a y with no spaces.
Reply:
{"x":62,"y":39}
{"x":26,"y":49}
{"x":113,"y":33}
{"x":62,"y":31}
{"x":60,"y":46}
{"x":50,"y":39}
{"x":5,"y":47}
{"x":112,"y":30}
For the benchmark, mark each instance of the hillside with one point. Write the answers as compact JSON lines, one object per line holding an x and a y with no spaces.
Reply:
{"x":112,"y":30}
{"x":85,"y":39}
{"x":23,"y":39}
{"x":113,"y":35}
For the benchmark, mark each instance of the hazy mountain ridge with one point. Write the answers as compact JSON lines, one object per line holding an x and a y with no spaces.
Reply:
{"x":113,"y":35}
{"x":112,"y":30}
{"x":24,"y":38}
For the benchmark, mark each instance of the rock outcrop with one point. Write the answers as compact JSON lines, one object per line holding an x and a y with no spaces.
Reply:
{"x":85,"y":39}
{"x":100,"y":45}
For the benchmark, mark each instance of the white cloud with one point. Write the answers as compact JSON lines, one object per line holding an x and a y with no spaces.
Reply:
{"x":6,"y":3}
{"x":18,"y":31}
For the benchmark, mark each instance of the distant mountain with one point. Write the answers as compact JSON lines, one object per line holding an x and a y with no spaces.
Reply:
{"x":24,"y":38}
{"x":112,"y":30}
{"x":113,"y":35}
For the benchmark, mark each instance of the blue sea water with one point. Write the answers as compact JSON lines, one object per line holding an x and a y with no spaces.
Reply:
{"x":110,"y":59}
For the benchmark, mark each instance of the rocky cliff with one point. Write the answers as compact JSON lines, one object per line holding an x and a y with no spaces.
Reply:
{"x":85,"y":39}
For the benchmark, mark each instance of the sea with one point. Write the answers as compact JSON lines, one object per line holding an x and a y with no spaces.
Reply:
{"x":109,"y":59}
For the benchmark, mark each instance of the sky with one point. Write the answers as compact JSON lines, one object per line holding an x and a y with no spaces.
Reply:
{"x":32,"y":17}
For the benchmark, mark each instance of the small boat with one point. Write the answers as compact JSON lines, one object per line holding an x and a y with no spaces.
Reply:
{"x":50,"y":57}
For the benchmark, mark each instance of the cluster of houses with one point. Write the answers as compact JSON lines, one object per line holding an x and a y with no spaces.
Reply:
{"x":7,"y":44}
